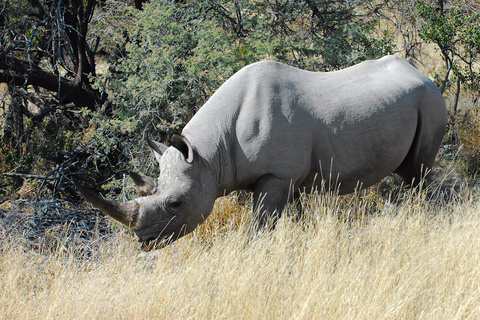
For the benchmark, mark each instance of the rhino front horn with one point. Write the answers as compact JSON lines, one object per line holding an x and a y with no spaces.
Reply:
{"x":124,"y":212}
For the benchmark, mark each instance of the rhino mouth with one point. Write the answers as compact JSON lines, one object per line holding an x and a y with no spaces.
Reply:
{"x":154,"y":243}
{"x":153,"y":240}
{"x":150,"y":239}
{"x":148,"y":245}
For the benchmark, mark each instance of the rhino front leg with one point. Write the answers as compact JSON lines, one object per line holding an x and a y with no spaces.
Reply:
{"x":270,"y":196}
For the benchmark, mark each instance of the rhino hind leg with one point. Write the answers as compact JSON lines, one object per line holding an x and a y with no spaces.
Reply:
{"x":412,"y":172}
{"x":270,"y":195}
{"x":421,"y":156}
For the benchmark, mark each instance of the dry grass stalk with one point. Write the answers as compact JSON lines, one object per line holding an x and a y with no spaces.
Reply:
{"x":349,"y":257}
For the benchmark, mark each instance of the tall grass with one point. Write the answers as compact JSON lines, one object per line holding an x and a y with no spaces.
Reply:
{"x":354,"y":257}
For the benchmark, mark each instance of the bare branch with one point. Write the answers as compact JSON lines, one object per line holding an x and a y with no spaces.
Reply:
{"x":27,"y":176}
{"x":22,"y":73}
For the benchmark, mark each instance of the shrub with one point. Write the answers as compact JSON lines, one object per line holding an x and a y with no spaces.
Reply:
{"x":469,"y":135}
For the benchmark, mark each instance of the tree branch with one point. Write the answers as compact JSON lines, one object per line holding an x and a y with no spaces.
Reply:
{"x":22,"y":73}
{"x":27,"y":176}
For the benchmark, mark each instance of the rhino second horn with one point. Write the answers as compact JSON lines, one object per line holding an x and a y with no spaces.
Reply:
{"x":145,"y":185}
{"x":124,"y":212}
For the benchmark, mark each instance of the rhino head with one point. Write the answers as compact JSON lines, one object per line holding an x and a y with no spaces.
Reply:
{"x":172,"y":205}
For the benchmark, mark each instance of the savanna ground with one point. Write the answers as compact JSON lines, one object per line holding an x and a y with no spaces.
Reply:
{"x":385,"y":253}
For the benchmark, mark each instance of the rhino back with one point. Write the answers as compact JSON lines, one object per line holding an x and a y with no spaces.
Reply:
{"x":270,"y":118}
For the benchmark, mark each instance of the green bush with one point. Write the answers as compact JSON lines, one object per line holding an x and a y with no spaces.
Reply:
{"x":177,"y":54}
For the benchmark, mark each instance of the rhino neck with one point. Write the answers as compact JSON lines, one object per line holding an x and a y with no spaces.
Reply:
{"x":216,"y":154}
{"x":212,"y":132}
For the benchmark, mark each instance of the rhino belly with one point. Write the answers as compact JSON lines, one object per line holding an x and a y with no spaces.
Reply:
{"x":361,"y":159}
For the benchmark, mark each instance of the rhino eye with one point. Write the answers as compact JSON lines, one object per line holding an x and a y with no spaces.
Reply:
{"x":174,"y":204}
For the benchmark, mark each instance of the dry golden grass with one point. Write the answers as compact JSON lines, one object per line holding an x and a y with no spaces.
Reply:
{"x":347,"y":258}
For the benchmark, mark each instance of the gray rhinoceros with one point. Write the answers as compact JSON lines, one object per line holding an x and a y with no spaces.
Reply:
{"x":272,"y":129}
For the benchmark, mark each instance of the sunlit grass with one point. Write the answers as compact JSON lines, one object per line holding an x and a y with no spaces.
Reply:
{"x":354,"y":257}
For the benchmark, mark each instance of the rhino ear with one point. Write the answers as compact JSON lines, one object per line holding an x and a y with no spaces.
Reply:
{"x":146,"y":185}
{"x":183,"y":145}
{"x":158,"y":148}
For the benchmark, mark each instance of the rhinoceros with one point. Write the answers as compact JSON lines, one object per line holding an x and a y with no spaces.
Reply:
{"x":273,"y":129}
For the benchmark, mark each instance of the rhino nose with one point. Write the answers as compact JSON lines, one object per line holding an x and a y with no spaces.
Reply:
{"x":145,"y":240}
{"x":148,"y":245}
{"x":153,"y":244}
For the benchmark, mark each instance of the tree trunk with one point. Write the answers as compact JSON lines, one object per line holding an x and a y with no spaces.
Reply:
{"x":13,"y":126}
{"x":457,"y":96}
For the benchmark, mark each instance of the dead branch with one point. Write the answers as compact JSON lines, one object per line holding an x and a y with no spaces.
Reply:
{"x":23,"y":73}
{"x":27,"y":176}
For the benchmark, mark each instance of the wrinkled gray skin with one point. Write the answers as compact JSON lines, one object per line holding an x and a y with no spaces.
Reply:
{"x":272,"y":129}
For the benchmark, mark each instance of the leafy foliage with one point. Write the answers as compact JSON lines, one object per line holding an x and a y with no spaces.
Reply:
{"x":455,"y":30}
{"x":177,"y":54}
{"x":453,"y":26}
